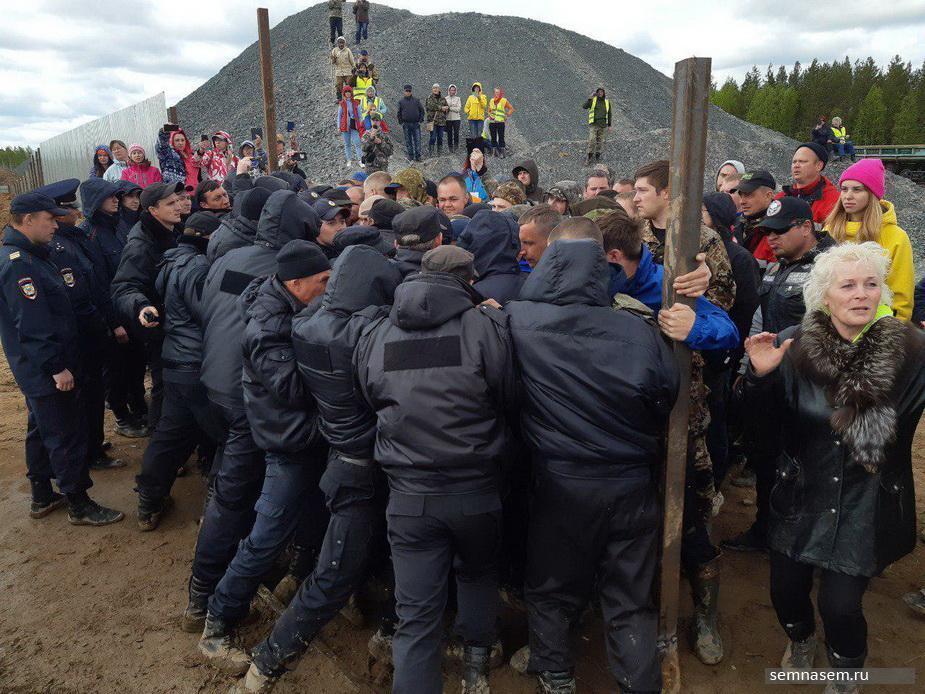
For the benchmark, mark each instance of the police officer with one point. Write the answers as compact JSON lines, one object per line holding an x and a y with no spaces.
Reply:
{"x":361,"y":286}
{"x":72,"y":251}
{"x":417,"y":231}
{"x":438,"y":372}
{"x":788,"y":226}
{"x":284,"y":423}
{"x":186,"y":413}
{"x":38,"y":330}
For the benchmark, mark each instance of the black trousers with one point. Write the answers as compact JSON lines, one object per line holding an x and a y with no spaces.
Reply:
{"x":452,"y":133}
{"x":497,"y":134}
{"x":587,"y":532}
{"x":337,"y":28}
{"x":356,"y":497}
{"x":429,"y":535}
{"x":719,"y":384}
{"x":125,"y":378}
{"x":56,"y":444}
{"x":840,"y":604}
{"x":186,"y":415}
{"x":93,"y":393}
{"x":153,"y":350}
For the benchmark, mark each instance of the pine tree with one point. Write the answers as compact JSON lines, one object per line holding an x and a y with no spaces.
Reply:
{"x":870,"y":123}
{"x":750,"y":86}
{"x":729,"y":98}
{"x":782,"y":77}
{"x":795,"y":79}
{"x":895,"y":87}
{"x":769,"y":78}
{"x":908,"y":128}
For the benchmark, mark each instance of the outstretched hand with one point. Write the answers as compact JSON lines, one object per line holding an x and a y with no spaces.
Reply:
{"x":763,"y":355}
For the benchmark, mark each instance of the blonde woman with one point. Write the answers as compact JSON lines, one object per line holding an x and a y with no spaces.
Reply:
{"x":846,"y":391}
{"x":861,"y":214}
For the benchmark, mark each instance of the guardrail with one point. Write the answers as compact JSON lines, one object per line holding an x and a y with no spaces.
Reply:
{"x":891,"y":151}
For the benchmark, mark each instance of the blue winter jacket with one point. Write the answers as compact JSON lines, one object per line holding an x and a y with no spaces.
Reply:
{"x":713,"y":329}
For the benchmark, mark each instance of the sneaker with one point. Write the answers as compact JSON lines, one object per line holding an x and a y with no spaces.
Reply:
{"x":151,"y":512}
{"x":40,"y":509}
{"x":132,"y":430}
{"x":520,"y":660}
{"x":349,"y":163}
{"x":717,"y":504}
{"x":219,"y":649}
{"x":799,"y":655}
{"x":749,"y":541}
{"x":89,"y":512}
{"x":255,"y":682}
{"x":104,"y":462}
{"x":915,"y":600}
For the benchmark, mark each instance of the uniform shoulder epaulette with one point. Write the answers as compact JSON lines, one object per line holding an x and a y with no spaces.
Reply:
{"x":624,"y":302}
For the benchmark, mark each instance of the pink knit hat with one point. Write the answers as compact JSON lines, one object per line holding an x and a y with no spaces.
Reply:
{"x":869,"y":172}
{"x":134,"y":147}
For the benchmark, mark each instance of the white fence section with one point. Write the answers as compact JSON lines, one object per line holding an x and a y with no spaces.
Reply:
{"x":70,"y":154}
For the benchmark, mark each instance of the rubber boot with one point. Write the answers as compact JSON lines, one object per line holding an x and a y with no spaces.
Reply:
{"x":705,"y":637}
{"x":475,"y":670}
{"x":217,"y":645}
{"x":255,"y":682}
{"x":194,"y":616}
{"x":555,"y":683}
{"x":838,"y":662}
{"x":151,"y":510}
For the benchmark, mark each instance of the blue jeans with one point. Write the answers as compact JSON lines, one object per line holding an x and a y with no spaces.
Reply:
{"x":352,"y":136}
{"x":362,"y":31}
{"x":475,"y":128}
{"x":845,"y":149}
{"x":436,"y":135}
{"x":412,"y":139}
{"x":289,"y":488}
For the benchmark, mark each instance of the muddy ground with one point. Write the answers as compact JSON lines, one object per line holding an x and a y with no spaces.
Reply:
{"x":97,"y":609}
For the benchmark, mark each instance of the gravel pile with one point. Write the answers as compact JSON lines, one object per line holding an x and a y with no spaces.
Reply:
{"x":547,"y":73}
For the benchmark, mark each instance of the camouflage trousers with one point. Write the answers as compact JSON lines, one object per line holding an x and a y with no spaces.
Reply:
{"x":699,"y":463}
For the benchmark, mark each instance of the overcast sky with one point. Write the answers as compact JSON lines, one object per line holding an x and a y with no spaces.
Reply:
{"x":65,"y":62}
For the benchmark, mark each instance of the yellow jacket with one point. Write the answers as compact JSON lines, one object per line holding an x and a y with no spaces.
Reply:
{"x":476,"y":106}
{"x":901,"y":278}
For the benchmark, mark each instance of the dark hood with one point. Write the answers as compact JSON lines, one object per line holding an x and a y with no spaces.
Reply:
{"x":265,"y":298}
{"x":293,"y":181}
{"x":493,"y":238}
{"x":363,"y":236}
{"x":362,"y":277}
{"x":529,"y":165}
{"x":430,"y":299}
{"x":570,"y":272}
{"x":284,"y":218}
{"x":92,"y":193}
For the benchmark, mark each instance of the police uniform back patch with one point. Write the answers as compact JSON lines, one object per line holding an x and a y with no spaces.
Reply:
{"x":27,"y":287}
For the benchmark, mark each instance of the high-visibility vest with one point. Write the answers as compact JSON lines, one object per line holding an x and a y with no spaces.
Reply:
{"x":591,"y":110}
{"x":363,"y":83}
{"x":497,"y":110}
{"x":840,"y":133}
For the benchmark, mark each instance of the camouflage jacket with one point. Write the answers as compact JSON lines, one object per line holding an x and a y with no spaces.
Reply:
{"x":377,"y":148}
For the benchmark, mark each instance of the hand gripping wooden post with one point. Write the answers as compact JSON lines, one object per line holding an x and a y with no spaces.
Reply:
{"x":682,"y":243}
{"x":269,"y":94}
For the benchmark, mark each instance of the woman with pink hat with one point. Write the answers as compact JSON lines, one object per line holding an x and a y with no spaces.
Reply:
{"x":140,"y":172}
{"x":861,"y":214}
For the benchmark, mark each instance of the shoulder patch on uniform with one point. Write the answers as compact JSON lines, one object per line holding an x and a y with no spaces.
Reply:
{"x":27,"y":287}
{"x":67,"y":274}
{"x":624,"y":302}
{"x":15,"y":255}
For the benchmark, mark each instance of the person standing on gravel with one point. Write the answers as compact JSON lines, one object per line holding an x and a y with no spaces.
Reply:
{"x":336,"y":18}
{"x":499,"y":110}
{"x":343,"y":62}
{"x":476,"y":108}
{"x":361,"y":14}
{"x":453,"y":118}
{"x":436,"y":107}
{"x":410,"y":117}
{"x":599,"y":122}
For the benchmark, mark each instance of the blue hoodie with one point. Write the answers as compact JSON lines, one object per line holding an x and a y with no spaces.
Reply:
{"x":713,"y":329}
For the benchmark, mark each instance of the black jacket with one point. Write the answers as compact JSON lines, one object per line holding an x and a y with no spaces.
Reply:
{"x":133,"y":285}
{"x":180,"y":280}
{"x":825,"y":508}
{"x":285,"y":217}
{"x":781,"y":290}
{"x":365,"y":236}
{"x":599,"y":384}
{"x":88,"y":298}
{"x":533,"y":191}
{"x":408,"y":260}
{"x":438,"y":372}
{"x":747,"y":279}
{"x":493,"y":238}
{"x":361,"y":286}
{"x":281,"y":412}
{"x":410,"y":110}
{"x":101,"y":228}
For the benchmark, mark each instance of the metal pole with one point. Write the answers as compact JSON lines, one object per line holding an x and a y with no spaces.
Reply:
{"x":682,"y":243}
{"x":269,"y":96}
{"x":172,"y":114}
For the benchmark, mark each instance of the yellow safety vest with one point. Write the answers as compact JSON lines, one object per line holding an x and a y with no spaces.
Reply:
{"x":840,"y":133}
{"x":591,"y":110}
{"x":497,"y":110}
{"x":363,"y":83}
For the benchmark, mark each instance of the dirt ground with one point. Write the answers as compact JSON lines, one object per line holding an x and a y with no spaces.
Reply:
{"x":97,"y":609}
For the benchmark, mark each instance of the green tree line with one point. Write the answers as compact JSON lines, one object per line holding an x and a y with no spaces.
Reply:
{"x":11,"y":157}
{"x":877,"y":106}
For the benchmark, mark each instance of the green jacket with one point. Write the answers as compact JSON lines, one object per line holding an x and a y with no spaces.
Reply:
{"x":602,"y":114}
{"x":434,"y":107}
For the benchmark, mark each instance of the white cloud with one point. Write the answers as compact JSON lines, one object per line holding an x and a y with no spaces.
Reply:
{"x":63,"y":62}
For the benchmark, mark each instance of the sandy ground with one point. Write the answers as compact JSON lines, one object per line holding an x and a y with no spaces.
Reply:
{"x":97,"y":609}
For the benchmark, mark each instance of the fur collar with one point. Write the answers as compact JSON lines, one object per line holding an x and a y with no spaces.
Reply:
{"x":858,"y":379}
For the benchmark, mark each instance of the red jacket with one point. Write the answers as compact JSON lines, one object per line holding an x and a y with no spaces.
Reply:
{"x":344,"y":121}
{"x":821,"y":196}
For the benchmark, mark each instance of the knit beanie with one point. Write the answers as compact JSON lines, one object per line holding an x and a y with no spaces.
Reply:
{"x":721,"y":208}
{"x":869,"y":172}
{"x":821,"y":152}
{"x":252,"y":202}
{"x":300,"y":258}
{"x":137,"y":147}
{"x":736,"y":164}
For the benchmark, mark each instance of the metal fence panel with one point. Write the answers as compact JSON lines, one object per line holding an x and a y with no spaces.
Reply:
{"x":70,"y":154}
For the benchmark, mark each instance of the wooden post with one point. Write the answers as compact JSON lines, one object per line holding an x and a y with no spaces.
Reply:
{"x":172,"y":114}
{"x":682,"y":243}
{"x":38,"y":162}
{"x":269,"y":96}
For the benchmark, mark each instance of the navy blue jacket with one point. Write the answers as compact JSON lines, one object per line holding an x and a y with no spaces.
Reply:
{"x":37,"y":323}
{"x":86,"y":295}
{"x":100,"y":227}
{"x":361,"y":286}
{"x":410,"y":110}
{"x":599,"y":384}
{"x":493,"y":238}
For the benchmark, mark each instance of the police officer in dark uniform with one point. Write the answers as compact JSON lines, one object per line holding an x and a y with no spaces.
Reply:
{"x":38,"y":329}
{"x":788,"y":224}
{"x":438,"y":372}
{"x":73,"y":252}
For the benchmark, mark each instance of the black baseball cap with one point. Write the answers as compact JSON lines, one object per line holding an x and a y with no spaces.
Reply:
{"x":327,"y":209}
{"x":32,"y":201}
{"x":753,"y":180}
{"x":408,"y":88}
{"x":420,"y":225}
{"x":156,"y":192}
{"x":203,"y":222}
{"x":785,"y":213}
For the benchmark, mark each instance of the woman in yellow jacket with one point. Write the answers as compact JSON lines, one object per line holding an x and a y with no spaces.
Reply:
{"x":475,"y":108}
{"x":861,"y":214}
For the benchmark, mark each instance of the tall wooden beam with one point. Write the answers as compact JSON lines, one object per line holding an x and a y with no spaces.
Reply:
{"x":266,"y":77}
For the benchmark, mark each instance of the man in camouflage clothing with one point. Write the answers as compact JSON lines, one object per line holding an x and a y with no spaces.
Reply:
{"x":377,"y":146}
{"x":699,"y":556}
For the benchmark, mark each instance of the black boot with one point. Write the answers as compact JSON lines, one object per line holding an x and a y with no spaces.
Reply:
{"x":104,"y":462}
{"x":44,"y":498}
{"x":839,"y":662}
{"x":475,"y":670}
{"x":218,"y":646}
{"x":194,"y":616}
{"x":82,"y":510}
{"x":705,"y":637}
{"x":151,"y":510}
{"x":300,"y":566}
{"x":555,"y":683}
